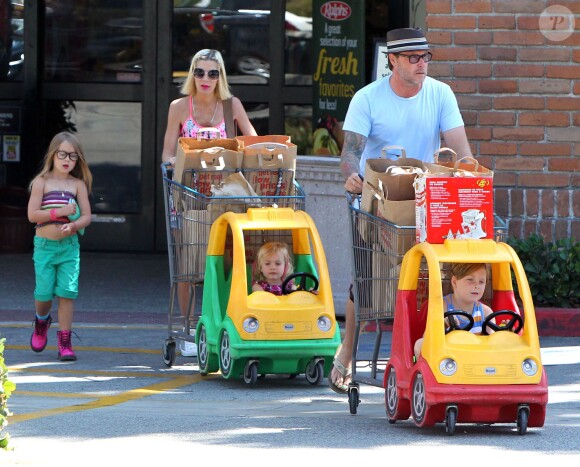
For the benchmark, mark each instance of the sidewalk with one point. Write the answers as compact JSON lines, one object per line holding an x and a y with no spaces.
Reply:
{"x":133,"y":289}
{"x":116,"y":288}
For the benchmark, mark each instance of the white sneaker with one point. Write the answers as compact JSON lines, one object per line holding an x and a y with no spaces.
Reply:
{"x":188,"y":349}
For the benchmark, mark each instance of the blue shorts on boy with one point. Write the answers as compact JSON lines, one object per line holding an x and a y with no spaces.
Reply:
{"x":57,"y":267}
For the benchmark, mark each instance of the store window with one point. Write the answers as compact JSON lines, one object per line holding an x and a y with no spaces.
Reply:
{"x":298,"y":125}
{"x":96,"y":41}
{"x":239,"y":29}
{"x":298,"y":42}
{"x":110,"y":135}
{"x":11,"y":40}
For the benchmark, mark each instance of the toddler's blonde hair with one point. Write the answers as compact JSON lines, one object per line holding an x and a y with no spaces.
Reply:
{"x":268,"y":249}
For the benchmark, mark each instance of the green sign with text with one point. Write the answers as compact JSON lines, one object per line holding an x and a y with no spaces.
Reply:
{"x":338,"y":48}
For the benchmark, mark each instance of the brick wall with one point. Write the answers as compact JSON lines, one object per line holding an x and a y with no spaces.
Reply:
{"x":519,"y":94}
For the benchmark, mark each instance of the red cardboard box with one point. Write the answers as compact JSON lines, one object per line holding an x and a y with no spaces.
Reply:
{"x":453,"y":205}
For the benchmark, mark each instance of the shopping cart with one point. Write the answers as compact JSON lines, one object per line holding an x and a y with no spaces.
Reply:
{"x":378,"y":248}
{"x":189,"y":214}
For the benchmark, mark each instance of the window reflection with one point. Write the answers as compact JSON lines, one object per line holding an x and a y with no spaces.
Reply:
{"x":11,"y":40}
{"x":110,"y":133}
{"x":237,"y":28}
{"x":298,"y":46}
{"x":298,"y":125}
{"x":96,"y":40}
{"x":240,"y":30}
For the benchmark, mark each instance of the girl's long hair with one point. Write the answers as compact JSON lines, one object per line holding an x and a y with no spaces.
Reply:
{"x":222,"y":90}
{"x":268,"y":249}
{"x":81,"y":169}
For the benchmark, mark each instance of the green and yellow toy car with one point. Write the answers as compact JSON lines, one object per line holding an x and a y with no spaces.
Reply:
{"x":249,"y":333}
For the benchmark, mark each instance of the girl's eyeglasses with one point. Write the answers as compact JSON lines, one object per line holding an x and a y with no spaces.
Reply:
{"x":413,"y":59}
{"x":199,"y":73}
{"x":62,"y":155}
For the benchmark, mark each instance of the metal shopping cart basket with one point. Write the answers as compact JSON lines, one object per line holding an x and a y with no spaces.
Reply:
{"x":189,"y":214}
{"x":378,"y":248}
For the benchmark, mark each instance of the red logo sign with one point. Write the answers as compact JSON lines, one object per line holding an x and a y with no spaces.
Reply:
{"x":335,"y":11}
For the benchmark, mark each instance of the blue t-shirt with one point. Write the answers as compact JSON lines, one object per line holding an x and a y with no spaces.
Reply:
{"x":415,"y":123}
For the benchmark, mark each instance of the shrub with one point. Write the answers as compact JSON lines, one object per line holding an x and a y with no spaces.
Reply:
{"x":6,"y":388}
{"x":552,"y":269}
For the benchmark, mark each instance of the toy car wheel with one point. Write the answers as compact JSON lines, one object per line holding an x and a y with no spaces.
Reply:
{"x":353,"y":399}
{"x":450,"y":419}
{"x":203,"y":352}
{"x":251,"y":373}
{"x":315,"y":372}
{"x":169,"y":352}
{"x":419,"y":404}
{"x":225,"y":355}
{"x":522,"y":420}
{"x":391,"y":396}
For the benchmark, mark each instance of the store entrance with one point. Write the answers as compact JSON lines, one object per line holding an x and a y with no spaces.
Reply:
{"x":108,"y":70}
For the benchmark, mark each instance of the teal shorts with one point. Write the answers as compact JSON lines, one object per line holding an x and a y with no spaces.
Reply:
{"x":57,"y":267}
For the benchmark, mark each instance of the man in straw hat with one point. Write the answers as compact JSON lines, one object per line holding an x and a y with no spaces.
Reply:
{"x":407,"y":109}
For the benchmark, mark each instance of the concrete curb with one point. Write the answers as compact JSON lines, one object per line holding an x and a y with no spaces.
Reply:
{"x":561,"y":322}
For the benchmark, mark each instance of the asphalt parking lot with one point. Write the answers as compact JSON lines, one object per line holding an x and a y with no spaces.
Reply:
{"x":119,"y":402}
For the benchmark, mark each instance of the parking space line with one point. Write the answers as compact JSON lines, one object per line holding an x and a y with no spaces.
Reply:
{"x":88,"y":371}
{"x":91,"y":349}
{"x":108,"y":401}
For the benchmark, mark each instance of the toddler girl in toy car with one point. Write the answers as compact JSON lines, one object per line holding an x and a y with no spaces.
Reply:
{"x":273,"y":264}
{"x":468,"y":285}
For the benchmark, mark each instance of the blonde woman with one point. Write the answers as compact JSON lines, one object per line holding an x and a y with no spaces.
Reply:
{"x":207,"y":103}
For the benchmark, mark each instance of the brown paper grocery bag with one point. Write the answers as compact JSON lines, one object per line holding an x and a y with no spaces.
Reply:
{"x":376,"y":169}
{"x":233,"y":194}
{"x":400,"y":212}
{"x":205,"y":156}
{"x":195,"y":230}
{"x":455,"y":164}
{"x":264,"y":140}
{"x":269,"y":164}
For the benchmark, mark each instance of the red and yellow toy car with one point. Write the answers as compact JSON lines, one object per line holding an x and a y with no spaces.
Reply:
{"x":462,"y":377}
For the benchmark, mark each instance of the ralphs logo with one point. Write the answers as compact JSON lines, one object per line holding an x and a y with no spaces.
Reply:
{"x":336,"y":11}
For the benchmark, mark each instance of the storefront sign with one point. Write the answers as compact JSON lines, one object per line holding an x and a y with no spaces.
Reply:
{"x":381,"y":63}
{"x":9,"y":120}
{"x":11,"y":148}
{"x":338,"y":48}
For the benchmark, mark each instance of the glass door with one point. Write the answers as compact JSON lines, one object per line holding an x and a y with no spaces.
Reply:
{"x":95,"y":85}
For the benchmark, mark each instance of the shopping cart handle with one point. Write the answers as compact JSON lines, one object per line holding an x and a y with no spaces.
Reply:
{"x":353,"y":193}
{"x":165,"y":166}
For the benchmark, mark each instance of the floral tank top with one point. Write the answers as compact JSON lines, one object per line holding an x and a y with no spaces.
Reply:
{"x":190,"y":128}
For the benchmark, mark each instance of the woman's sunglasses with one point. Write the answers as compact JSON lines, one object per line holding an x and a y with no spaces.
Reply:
{"x":199,"y":73}
{"x":62,"y":155}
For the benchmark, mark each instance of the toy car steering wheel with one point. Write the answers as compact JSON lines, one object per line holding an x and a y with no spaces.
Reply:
{"x":453,"y":324}
{"x":515,"y":324}
{"x":302,"y":284}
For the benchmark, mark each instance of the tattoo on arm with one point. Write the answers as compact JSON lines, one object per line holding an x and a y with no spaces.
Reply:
{"x":351,"y":155}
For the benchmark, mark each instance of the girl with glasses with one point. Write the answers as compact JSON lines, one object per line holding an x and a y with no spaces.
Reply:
{"x":59,"y":205}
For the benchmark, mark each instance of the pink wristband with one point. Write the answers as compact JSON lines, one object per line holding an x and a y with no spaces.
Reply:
{"x":53,"y":214}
